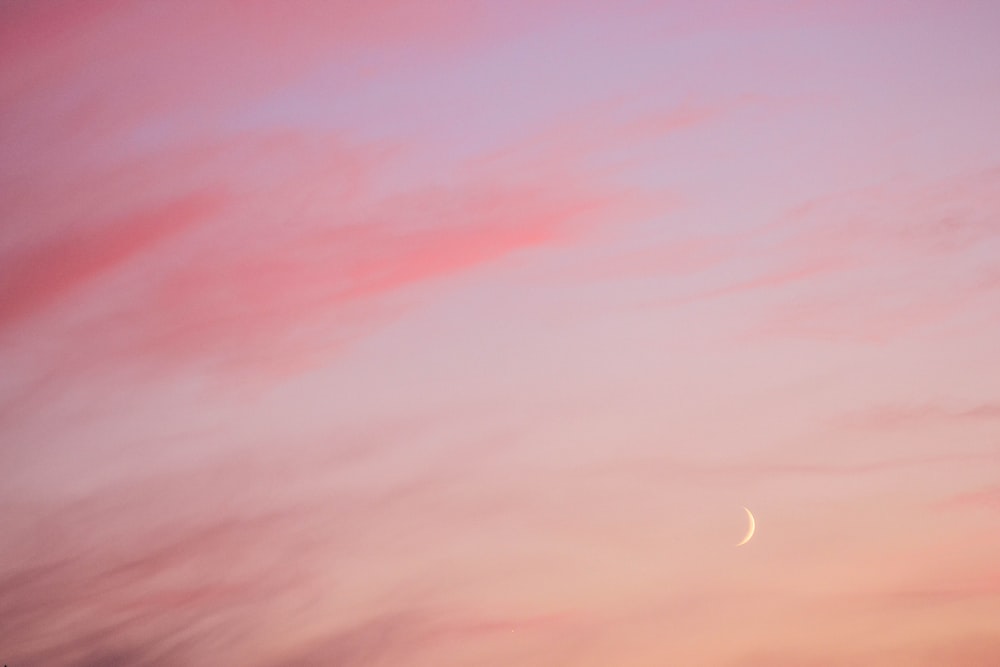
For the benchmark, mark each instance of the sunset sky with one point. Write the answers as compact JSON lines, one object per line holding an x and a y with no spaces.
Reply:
{"x":453,"y":333}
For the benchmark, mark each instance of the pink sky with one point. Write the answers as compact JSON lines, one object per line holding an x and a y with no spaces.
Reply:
{"x":451,"y":333}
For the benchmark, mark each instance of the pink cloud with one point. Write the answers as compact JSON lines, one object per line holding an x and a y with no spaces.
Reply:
{"x":661,"y":124}
{"x":681,"y":257}
{"x":38,"y":276}
{"x":148,"y":557}
{"x":918,"y":416}
{"x":285,"y":372}
{"x":972,"y":651}
{"x":652,"y":125}
{"x":872,"y":251}
{"x":985,"y":499}
{"x":407,"y":633}
{"x":628,"y":121}
{"x":257,"y":297}
{"x":891,"y":223}
{"x":678,"y":469}
{"x":253,"y":47}
{"x":238,"y":267}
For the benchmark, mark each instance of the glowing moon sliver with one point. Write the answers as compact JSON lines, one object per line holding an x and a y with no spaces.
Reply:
{"x":750,"y":531}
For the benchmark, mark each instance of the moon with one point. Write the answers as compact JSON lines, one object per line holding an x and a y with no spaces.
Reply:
{"x":750,"y":530}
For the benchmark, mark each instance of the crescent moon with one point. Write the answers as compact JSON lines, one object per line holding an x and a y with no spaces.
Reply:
{"x":750,"y":530}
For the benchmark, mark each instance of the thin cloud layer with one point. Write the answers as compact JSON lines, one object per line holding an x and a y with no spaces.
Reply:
{"x":450,"y":333}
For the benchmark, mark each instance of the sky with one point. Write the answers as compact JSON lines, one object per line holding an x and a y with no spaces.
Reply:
{"x":451,"y":332}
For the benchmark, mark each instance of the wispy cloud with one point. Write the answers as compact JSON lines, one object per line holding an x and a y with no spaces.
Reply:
{"x":988,"y":498}
{"x":917,"y":416}
{"x":760,"y":469}
{"x":286,"y":372}
{"x":38,"y":276}
{"x":973,"y":651}
{"x":882,"y":262}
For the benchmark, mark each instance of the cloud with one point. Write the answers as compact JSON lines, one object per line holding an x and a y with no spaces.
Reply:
{"x":977,"y":650}
{"x":756,"y":469}
{"x":224,"y":246}
{"x":377,"y":640}
{"x":151,"y":579}
{"x":296,"y":278}
{"x":200,"y":593}
{"x":198,"y":200}
{"x":624,"y":124}
{"x":246,"y":274}
{"x":189,"y":559}
{"x":988,"y":498}
{"x":393,"y":636}
{"x":38,"y":276}
{"x":155,"y":588}
{"x":124,"y":63}
{"x":893,"y":417}
{"x":876,"y":263}
{"x":233,"y":246}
